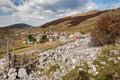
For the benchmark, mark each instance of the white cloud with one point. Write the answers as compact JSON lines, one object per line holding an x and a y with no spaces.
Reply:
{"x":37,"y":12}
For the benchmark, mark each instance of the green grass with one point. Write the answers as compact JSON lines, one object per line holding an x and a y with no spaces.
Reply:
{"x":106,"y":72}
{"x":21,"y":47}
{"x":71,"y":75}
{"x":75,"y":74}
{"x":1,"y":54}
{"x":52,"y":68}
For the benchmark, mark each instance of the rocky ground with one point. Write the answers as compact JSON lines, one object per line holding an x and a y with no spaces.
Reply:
{"x":56,"y":63}
{"x":69,"y":61}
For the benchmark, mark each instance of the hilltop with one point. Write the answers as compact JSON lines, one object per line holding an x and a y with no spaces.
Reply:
{"x":13,"y":32}
{"x":19,"y":26}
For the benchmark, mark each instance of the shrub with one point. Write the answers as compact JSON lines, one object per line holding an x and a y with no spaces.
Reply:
{"x":107,"y":29}
{"x":31,"y":38}
{"x":43,"y":39}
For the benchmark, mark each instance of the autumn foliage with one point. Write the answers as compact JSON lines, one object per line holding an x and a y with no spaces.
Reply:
{"x":107,"y":30}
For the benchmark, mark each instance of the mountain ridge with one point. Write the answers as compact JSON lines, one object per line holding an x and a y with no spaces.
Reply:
{"x":18,"y":26}
{"x":76,"y":19}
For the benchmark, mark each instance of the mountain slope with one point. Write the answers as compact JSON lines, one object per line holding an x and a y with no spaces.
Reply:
{"x":13,"y":32}
{"x":19,"y":26}
{"x":75,"y":22}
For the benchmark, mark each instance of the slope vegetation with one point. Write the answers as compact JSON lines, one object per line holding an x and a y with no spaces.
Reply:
{"x":79,"y":22}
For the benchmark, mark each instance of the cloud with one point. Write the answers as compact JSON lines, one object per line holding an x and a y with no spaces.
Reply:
{"x":37,"y":12}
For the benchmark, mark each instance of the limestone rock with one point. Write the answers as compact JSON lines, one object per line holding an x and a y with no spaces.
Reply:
{"x":22,"y":72}
{"x":111,"y":59}
{"x":103,"y":63}
{"x":11,"y":71}
{"x":114,"y":52}
{"x":118,"y":58}
{"x":12,"y":76}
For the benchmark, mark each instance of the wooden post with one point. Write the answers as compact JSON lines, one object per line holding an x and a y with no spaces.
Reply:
{"x":31,"y":57}
{"x":8,"y":55}
{"x":22,"y":60}
{"x":13,"y":58}
{"x":30,"y":60}
{"x":36,"y":46}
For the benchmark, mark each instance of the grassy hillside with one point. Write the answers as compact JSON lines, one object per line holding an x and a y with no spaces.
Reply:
{"x":19,"y":26}
{"x":83,"y":22}
{"x":79,"y":22}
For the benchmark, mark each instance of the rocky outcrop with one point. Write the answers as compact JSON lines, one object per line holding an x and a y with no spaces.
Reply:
{"x":68,"y":57}
{"x":56,"y":64}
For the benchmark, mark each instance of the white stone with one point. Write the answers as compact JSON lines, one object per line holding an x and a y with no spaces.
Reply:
{"x":22,"y":72}
{"x":111,"y":59}
{"x":116,"y":61}
{"x":81,"y":69}
{"x":95,"y":73}
{"x":118,"y":58}
{"x":114,"y":52}
{"x":11,"y":71}
{"x":12,"y":76}
{"x":90,"y":71}
{"x":93,"y":67}
{"x":103,"y":63}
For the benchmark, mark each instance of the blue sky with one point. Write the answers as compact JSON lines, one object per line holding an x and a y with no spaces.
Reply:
{"x":107,"y":4}
{"x":38,"y":12}
{"x":105,"y":1}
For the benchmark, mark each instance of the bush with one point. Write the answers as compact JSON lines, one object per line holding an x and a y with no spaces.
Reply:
{"x":107,"y":29}
{"x":43,"y":39}
{"x":31,"y":38}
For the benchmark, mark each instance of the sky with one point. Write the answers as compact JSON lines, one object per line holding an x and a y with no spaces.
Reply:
{"x":38,"y":12}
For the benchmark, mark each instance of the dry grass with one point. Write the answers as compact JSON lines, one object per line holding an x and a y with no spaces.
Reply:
{"x":28,"y":47}
{"x":80,"y":22}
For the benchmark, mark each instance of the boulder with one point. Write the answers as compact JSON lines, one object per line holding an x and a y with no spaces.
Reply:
{"x":22,"y":72}
{"x":12,"y":76}
{"x":11,"y":71}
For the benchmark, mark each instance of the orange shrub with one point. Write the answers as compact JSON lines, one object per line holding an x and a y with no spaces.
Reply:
{"x":107,"y":29}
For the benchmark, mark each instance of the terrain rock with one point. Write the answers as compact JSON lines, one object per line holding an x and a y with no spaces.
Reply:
{"x":11,"y":71}
{"x":12,"y":74}
{"x":69,"y":56}
{"x":22,"y":72}
{"x":118,"y":58}
{"x":111,"y":59}
{"x":114,"y":52}
{"x":102,"y":63}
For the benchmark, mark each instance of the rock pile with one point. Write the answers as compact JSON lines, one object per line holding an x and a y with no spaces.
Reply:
{"x":68,"y":57}
{"x":12,"y":74}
